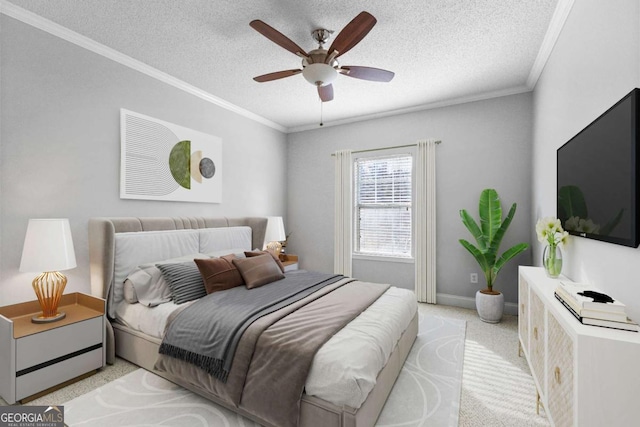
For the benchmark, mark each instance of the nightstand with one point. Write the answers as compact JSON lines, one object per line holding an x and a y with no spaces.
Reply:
{"x":290,"y":262}
{"x":36,"y":358}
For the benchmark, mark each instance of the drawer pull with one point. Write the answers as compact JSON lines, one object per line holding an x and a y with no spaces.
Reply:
{"x":556,"y":374}
{"x":535,"y":332}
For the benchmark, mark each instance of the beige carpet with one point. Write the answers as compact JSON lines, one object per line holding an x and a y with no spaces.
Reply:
{"x":488,"y":397}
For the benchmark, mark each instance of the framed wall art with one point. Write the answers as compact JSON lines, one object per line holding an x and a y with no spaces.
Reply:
{"x":165,"y":161}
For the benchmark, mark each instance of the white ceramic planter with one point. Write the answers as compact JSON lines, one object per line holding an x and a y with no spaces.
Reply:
{"x":490,"y":307}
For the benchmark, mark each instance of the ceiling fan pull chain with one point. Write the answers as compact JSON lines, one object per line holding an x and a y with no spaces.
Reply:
{"x":321,"y":121}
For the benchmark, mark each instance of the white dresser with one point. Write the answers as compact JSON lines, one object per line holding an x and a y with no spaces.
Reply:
{"x":585,"y":375}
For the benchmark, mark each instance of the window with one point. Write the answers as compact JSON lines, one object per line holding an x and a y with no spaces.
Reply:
{"x":383,"y":197}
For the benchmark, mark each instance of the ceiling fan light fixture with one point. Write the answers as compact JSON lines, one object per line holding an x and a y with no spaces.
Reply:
{"x":319,"y":74}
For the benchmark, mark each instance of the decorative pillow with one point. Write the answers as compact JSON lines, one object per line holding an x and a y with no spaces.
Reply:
{"x":219,"y":274}
{"x":130,"y":294}
{"x":184,"y":280}
{"x":258,"y":270}
{"x":258,"y":253}
{"x":147,"y":285}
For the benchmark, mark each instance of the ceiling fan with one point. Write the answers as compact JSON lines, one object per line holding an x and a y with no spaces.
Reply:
{"x":320,"y":66}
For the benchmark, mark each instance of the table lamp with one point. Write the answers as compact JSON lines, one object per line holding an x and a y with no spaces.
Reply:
{"x":48,"y":248}
{"x":274,"y":234}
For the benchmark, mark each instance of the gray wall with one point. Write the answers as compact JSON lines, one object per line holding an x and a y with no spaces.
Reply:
{"x":484,"y":144}
{"x":595,"y":62}
{"x":60,"y":146}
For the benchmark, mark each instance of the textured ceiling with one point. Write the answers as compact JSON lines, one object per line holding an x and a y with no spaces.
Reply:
{"x":440,"y":50}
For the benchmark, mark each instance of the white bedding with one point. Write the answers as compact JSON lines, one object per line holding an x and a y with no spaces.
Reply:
{"x":338,"y":374}
{"x":148,"y":320}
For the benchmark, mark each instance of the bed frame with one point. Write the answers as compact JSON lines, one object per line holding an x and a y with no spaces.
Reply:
{"x":142,"y":349}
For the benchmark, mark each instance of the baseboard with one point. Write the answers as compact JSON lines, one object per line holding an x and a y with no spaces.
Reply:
{"x":466,"y":302}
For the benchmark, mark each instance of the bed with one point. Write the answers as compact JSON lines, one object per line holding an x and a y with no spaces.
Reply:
{"x":137,"y":332}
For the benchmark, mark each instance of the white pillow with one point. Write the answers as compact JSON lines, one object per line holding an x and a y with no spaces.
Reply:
{"x":147,"y":285}
{"x":239,"y":252}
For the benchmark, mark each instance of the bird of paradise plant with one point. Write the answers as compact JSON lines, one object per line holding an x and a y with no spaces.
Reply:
{"x":488,"y":236}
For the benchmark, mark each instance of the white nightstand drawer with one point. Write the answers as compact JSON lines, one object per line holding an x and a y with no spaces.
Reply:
{"x":42,"y":379}
{"x":45,"y":346}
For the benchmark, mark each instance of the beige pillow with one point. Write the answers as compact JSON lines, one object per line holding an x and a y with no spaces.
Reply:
{"x":258,"y":270}
{"x":219,"y":274}
{"x":258,"y":253}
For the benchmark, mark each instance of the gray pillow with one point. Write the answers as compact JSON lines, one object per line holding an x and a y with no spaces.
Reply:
{"x":184,"y":280}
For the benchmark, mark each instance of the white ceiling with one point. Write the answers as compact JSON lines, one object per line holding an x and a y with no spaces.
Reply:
{"x":442,"y":51}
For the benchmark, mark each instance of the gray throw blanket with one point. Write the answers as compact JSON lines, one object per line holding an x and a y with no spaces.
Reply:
{"x":206,"y":333}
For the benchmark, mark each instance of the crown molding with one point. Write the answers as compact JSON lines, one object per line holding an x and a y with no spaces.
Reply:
{"x":559,"y":18}
{"x":64,"y":33}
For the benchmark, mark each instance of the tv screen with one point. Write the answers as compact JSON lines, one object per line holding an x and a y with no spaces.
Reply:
{"x":597,"y":177}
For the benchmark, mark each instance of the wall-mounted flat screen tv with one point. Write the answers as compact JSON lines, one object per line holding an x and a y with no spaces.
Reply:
{"x":598,"y":177}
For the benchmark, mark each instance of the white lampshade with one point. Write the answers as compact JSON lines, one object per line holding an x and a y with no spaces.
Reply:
{"x":275,"y":230}
{"x":48,"y":246}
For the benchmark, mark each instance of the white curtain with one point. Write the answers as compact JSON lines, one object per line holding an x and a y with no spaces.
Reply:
{"x":342,"y":213}
{"x":425,"y":217}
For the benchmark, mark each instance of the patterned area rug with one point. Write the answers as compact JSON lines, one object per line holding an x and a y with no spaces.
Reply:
{"x":427,"y":391}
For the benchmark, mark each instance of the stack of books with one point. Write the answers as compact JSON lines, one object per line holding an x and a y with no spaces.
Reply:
{"x":589,"y":312}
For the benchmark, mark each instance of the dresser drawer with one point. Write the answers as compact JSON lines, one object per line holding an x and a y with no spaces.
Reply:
{"x":523,"y":313}
{"x":537,"y":343}
{"x":42,"y":347}
{"x":560,"y":374}
{"x":42,"y":379}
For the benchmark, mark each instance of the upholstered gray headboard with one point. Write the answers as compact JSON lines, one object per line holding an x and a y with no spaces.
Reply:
{"x":102,"y":233}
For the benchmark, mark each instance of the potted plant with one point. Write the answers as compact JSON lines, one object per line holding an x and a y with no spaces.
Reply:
{"x":488,"y":235}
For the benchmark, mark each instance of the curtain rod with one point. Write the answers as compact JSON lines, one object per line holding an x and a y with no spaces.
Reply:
{"x":384,"y":148}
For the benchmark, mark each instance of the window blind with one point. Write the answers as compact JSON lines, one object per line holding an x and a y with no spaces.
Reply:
{"x":383,"y":210}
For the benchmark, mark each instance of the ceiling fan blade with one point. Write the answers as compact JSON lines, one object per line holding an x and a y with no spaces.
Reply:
{"x":367,"y":73}
{"x":326,"y":93}
{"x":277,"y":37}
{"x":277,"y":75}
{"x":352,"y":33}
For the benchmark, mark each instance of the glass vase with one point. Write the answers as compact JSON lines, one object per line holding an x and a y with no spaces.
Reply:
{"x":552,"y":261}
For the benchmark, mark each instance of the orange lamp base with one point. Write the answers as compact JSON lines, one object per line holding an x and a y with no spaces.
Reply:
{"x":48,"y":287}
